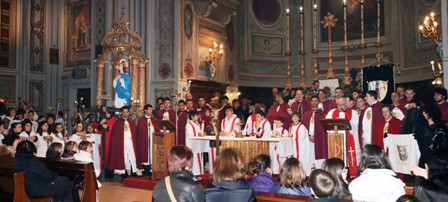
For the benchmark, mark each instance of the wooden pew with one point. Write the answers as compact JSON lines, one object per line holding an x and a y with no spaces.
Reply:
{"x":19,"y":190}
{"x":13,"y":186}
{"x":73,"y":170}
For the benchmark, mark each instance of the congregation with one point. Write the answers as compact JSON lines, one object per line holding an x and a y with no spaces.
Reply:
{"x":309,"y":171}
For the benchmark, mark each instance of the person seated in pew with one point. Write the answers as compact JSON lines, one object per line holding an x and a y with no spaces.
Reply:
{"x":322,"y":186}
{"x":70,"y":149}
{"x":292,"y":179}
{"x":408,"y":198}
{"x":376,"y":181}
{"x":181,"y":186}
{"x":228,"y":180}
{"x":431,"y":183}
{"x":41,"y":182}
{"x":339,"y":172}
{"x":260,"y":174}
{"x":54,"y":152}
{"x":85,"y":150}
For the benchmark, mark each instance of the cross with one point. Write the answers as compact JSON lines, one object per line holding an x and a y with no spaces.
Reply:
{"x":351,"y":155}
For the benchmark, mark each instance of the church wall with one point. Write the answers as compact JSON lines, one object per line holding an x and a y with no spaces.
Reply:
{"x":401,"y":44}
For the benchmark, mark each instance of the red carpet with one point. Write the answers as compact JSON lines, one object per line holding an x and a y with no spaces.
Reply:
{"x":145,"y":182}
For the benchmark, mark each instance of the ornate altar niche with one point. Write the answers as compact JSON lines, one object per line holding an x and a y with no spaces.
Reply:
{"x":123,"y":47}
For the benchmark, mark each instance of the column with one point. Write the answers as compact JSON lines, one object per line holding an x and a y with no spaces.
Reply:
{"x":100,"y":62}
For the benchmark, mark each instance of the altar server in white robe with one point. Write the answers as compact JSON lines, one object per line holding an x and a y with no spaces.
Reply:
{"x":194,"y":129}
{"x":278,"y":131}
{"x":353,"y":150}
{"x":303,"y":148}
{"x":44,"y":139}
{"x":261,"y":126}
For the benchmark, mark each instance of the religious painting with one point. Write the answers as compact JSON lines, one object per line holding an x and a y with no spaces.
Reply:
{"x":54,"y":56}
{"x":336,"y":8}
{"x":204,"y":69}
{"x":78,"y":32}
{"x":188,"y":21}
{"x":266,"y":45}
{"x":8,"y":88}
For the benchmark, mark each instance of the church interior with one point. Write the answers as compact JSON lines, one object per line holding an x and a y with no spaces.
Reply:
{"x":82,"y":57}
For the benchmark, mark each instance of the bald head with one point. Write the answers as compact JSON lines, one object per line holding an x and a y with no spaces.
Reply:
{"x":341,"y":103}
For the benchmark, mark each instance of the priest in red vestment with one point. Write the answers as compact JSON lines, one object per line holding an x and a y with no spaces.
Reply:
{"x":204,"y":111}
{"x":280,"y":109}
{"x":372,"y":117}
{"x":182,"y":119}
{"x":123,"y":145}
{"x":323,"y":101}
{"x":311,"y":120}
{"x":145,"y":131}
{"x":107,"y":124}
{"x":353,"y":149}
{"x":390,"y":125}
{"x":338,"y":92}
{"x":440,"y":95}
{"x":167,"y":113}
{"x":189,"y":96}
{"x":300,"y":105}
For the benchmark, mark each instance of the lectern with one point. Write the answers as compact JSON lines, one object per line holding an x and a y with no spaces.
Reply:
{"x":161,"y":144}
{"x":336,"y":141}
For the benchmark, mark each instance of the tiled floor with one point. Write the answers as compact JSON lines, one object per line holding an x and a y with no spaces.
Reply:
{"x":116,"y":192}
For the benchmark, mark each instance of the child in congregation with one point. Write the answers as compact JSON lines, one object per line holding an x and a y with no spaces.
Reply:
{"x":292,"y":179}
{"x":303,"y":148}
{"x":260,"y":174}
{"x":79,"y":135}
{"x":28,"y":133}
{"x":14,"y":132}
{"x":60,"y":134}
{"x":337,"y":170}
{"x":55,"y":150}
{"x":322,"y":186}
{"x":85,"y":149}
{"x":44,"y":139}
{"x":70,"y":149}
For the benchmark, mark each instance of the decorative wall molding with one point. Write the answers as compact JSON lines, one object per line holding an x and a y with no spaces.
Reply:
{"x":37,"y":36}
{"x":100,"y":19}
{"x":165,"y":35}
{"x":36,"y":94}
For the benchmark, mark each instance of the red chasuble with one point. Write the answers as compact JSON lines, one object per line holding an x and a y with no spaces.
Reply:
{"x":181,"y":123}
{"x":205,"y":114}
{"x":116,"y":150}
{"x":377,"y":117}
{"x":351,"y":157}
{"x":305,"y":106}
{"x":110,"y":123}
{"x":281,"y":111}
{"x":325,"y":105}
{"x":331,"y":105}
{"x":143,"y":141}
{"x":320,"y":135}
{"x":393,"y":128}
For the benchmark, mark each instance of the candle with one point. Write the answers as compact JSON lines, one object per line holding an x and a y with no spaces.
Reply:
{"x":314,"y":27}
{"x":345,"y":23}
{"x":432,"y":65}
{"x":210,"y":50}
{"x":301,"y":9}
{"x":202,"y":128}
{"x":288,"y":38}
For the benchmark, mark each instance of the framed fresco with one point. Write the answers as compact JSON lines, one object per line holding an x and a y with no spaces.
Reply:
{"x":188,"y":21}
{"x":353,"y":19}
{"x":267,"y":45}
{"x":79,"y":28}
{"x":8,"y":88}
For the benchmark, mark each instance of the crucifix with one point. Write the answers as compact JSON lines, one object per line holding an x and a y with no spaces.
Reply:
{"x":351,"y":156}
{"x":329,"y":22}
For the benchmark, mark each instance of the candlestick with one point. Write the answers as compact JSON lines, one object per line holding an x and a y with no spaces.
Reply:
{"x":315,"y":51}
{"x":379,"y":55}
{"x":329,"y":22}
{"x":346,"y":65}
{"x":302,"y":51}
{"x":363,"y":46}
{"x":288,"y":53}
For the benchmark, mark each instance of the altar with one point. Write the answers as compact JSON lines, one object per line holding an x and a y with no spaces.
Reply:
{"x":250,"y":147}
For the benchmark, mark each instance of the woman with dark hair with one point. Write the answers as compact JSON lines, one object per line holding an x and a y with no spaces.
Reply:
{"x":260,"y":172}
{"x":292,"y":179}
{"x":70,"y":149}
{"x":337,"y":170}
{"x":431,"y":183}
{"x":438,"y":129}
{"x":54,"y":152}
{"x":179,"y":185}
{"x":228,"y":183}
{"x":41,"y":182}
{"x":44,"y":139}
{"x":415,"y":123}
{"x":376,"y":180}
